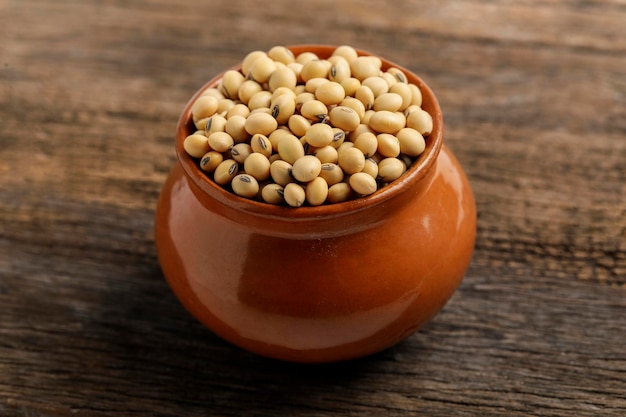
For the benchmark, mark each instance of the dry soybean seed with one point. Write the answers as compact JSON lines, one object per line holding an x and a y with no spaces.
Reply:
{"x":338,"y":193}
{"x":366,"y":117}
{"x":316,"y":191}
{"x":224,"y":105}
{"x":221,"y":141}
{"x":388,"y":101}
{"x":259,"y":100}
{"x":247,"y":89}
{"x":350,"y":85}
{"x":314,"y":110}
{"x":261,"y":144}
{"x":240,"y":152}
{"x":398,"y":74}
{"x":319,"y":135}
{"x":290,"y":148}
{"x":294,"y":194}
{"x":282,"y":77}
{"x":365,"y":95}
{"x":339,"y":136}
{"x":377,"y":84}
{"x":385,"y":121}
{"x":367,"y":143}
{"x":351,"y":160}
{"x":316,"y":68}
{"x":257,"y":165}
{"x":346,"y":51}
{"x":299,"y":124}
{"x":203,"y":107}
{"x":238,"y":109}
{"x":245,"y":185}
{"x":296,"y":68}
{"x":231,"y":81}
{"x":332,"y":173}
{"x":362,"y":128}
{"x":388,"y":145}
{"x":277,"y":135}
{"x":344,"y":146}
{"x":421,"y":121}
{"x":283,"y":107}
{"x":326,"y":154}
{"x":390,"y":169}
{"x":344,"y":118}
{"x":262,"y":123}
{"x":363,"y":183}
{"x":196,"y":145}
{"x":306,"y":169}
{"x":281,"y":54}
{"x":280,"y":171}
{"x":249,"y":59}
{"x":417,"y":95}
{"x":303,"y":98}
{"x":371,"y":168}
{"x":404,"y":91}
{"x":283,"y":90}
{"x":235,"y":127}
{"x":262,"y":68}
{"x":340,"y":69}
{"x":201,"y":124}
{"x":210,"y":161}
{"x":226,"y":171}
{"x":314,"y":83}
{"x":355,"y":105}
{"x":389,"y":79}
{"x":213,"y":92}
{"x":330,"y":93}
{"x":273,"y":194}
{"x":305,"y":57}
{"x":411,"y":109}
{"x":365,"y":66}
{"x":411,"y":141}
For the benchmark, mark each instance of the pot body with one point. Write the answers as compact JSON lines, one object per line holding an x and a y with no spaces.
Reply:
{"x":338,"y":295}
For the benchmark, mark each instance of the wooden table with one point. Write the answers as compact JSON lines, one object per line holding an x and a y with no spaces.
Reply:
{"x":534,"y":99}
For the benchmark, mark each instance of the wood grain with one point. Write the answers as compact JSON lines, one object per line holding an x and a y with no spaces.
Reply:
{"x":534,"y":99}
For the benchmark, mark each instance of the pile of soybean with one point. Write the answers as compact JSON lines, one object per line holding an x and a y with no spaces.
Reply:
{"x":302,"y":130}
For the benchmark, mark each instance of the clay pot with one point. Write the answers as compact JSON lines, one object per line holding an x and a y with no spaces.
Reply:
{"x":318,"y":284}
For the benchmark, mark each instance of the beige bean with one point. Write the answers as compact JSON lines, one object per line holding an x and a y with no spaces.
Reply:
{"x":238,"y":109}
{"x":390,"y":169}
{"x":280,"y":171}
{"x":249,"y":59}
{"x":326,"y":154}
{"x":365,"y":95}
{"x":294,"y":194}
{"x":221,"y":141}
{"x":314,"y":110}
{"x":235,"y":127}
{"x":247,"y":89}
{"x":388,"y":101}
{"x":290,"y":148}
{"x":196,"y":145}
{"x":417,"y":95}
{"x":388,"y":145}
{"x":330,"y":93}
{"x":277,"y":135}
{"x":245,"y":185}
{"x":367,"y":143}
{"x":351,"y":160}
{"x":338,"y":193}
{"x":385,"y":121}
{"x":283,"y":90}
{"x":411,"y":142}
{"x":281,"y":54}
{"x":262,"y":99}
{"x":398,"y":74}
{"x":404,"y":91}
{"x":226,"y":171}
{"x":316,"y":68}
{"x":344,"y":118}
{"x":361,"y":128}
{"x":262,"y":123}
{"x":339,"y":70}
{"x":240,"y":152}
{"x":306,"y":168}
{"x":365,"y":66}
{"x":371,"y":167}
{"x":230,"y":83}
{"x":210,"y":161}
{"x":350,"y":85}
{"x":339,"y":136}
{"x":347,"y":52}
{"x":282,"y":77}
{"x":377,"y":84}
{"x":332,"y":173}
{"x":316,"y":191}
{"x":389,"y":79}
{"x":296,"y":67}
{"x":257,"y":165}
{"x":224,"y":105}
{"x":303,"y":98}
{"x":314,"y":83}
{"x":283,"y":107}
{"x":363,"y":183}
{"x":305,"y":57}
{"x":272,"y":193}
{"x":261,"y":144}
{"x":213,"y":92}
{"x":421,"y":121}
{"x":203,"y":107}
{"x":366,"y":117}
{"x":298,"y":124}
{"x":355,"y":105}
{"x":319,"y":134}
{"x":262,"y":68}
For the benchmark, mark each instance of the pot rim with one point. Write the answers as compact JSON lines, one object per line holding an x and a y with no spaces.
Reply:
{"x":416,"y":172}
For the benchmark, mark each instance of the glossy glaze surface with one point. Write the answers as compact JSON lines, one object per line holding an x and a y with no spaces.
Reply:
{"x":318,"y":284}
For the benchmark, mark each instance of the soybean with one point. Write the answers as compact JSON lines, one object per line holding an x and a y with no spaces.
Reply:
{"x":316,"y":191}
{"x":306,"y":168}
{"x":344,"y":118}
{"x":196,"y":145}
{"x":257,"y":165}
{"x":226,"y":171}
{"x":273,"y":194}
{"x":363,"y":183}
{"x":280,"y":172}
{"x":210,"y":161}
{"x":262,"y":123}
{"x":294,"y":194}
{"x":245,"y":185}
{"x":390,"y":169}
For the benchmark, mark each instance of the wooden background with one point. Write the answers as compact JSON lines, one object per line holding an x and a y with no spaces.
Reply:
{"x":534,"y":99}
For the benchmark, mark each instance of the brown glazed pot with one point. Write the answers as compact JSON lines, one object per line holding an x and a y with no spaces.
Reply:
{"x":325,"y":283}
